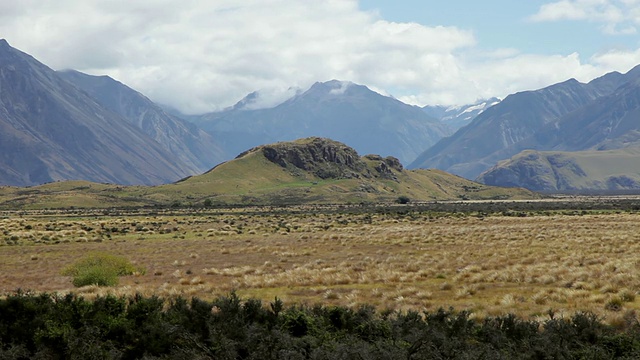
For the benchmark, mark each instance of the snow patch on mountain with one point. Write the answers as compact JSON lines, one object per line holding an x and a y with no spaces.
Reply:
{"x":457,"y":116}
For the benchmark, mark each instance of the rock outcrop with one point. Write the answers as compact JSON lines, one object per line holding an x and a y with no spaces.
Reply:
{"x":328,"y":159}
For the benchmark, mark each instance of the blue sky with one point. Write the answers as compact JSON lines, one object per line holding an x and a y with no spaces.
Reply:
{"x":201,"y":56}
{"x":507,"y":24}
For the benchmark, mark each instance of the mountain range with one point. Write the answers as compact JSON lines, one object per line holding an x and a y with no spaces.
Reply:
{"x":343,"y":111}
{"x":51,"y":130}
{"x":98,"y":129}
{"x":311,"y":170}
{"x":600,"y":139}
{"x":61,"y":125}
{"x":569,"y":116}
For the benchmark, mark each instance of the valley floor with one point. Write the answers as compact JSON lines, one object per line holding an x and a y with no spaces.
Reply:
{"x":534,"y":264}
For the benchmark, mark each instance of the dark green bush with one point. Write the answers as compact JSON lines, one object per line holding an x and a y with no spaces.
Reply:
{"x":403,"y":199}
{"x":70,"y":327}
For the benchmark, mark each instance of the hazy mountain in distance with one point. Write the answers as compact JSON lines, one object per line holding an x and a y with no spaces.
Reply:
{"x":568,"y":171}
{"x":600,"y":139}
{"x":51,"y":130}
{"x":459,"y":116}
{"x":498,"y":132}
{"x":346,"y":112}
{"x":194,"y":147}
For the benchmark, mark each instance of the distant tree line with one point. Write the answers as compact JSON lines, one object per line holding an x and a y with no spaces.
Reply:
{"x":70,"y":327}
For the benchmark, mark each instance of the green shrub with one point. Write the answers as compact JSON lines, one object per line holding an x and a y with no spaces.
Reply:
{"x":42,"y":326}
{"x":99,"y":269}
{"x":95,"y":276}
{"x":403,"y":199}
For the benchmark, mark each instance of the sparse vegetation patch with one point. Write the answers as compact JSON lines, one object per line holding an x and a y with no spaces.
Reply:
{"x":473,"y":256}
{"x":100,"y":269}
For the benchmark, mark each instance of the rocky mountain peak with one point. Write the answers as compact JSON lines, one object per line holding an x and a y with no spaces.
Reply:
{"x":635,"y":72}
{"x":246,"y":102}
{"x":353,"y":114}
{"x":7,"y":52}
{"x":333,"y":87}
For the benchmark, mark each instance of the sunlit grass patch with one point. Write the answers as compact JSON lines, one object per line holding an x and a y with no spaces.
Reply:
{"x":100,"y":269}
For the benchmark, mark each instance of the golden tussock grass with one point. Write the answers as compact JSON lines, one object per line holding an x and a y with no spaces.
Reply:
{"x":494,"y":265}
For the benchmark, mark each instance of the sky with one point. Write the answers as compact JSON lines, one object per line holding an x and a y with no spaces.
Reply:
{"x":205,"y":55}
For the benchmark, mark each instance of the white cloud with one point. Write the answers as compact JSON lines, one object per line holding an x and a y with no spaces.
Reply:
{"x":504,"y":76}
{"x":617,"y":60}
{"x":343,"y":86}
{"x":618,"y":17}
{"x":201,"y":56}
{"x":596,"y":10}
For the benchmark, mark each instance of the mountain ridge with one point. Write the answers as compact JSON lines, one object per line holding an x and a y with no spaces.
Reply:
{"x":563,"y":171}
{"x":347,"y":112}
{"x":194,"y":148}
{"x":460,"y":115}
{"x":50,"y":130}
{"x":517,"y":122}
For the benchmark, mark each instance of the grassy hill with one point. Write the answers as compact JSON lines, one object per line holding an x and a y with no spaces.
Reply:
{"x":569,"y":171}
{"x":312,"y":170}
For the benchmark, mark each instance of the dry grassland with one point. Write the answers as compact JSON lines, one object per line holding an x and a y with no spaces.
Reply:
{"x":533,"y":266}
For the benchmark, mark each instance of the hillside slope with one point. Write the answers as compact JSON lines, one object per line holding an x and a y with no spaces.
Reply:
{"x":50,"y":130}
{"x":311,"y":170}
{"x":556,"y":171}
{"x":194,"y":147}
{"x":320,"y":170}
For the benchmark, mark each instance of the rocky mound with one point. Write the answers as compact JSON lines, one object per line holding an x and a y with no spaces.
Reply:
{"x":328,"y":159}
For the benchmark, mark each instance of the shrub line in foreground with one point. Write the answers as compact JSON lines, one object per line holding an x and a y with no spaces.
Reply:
{"x":71,"y":327}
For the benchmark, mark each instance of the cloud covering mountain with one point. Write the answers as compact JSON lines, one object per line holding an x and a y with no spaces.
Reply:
{"x":201,"y":56}
{"x":50,"y":130}
{"x":341,"y":110}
